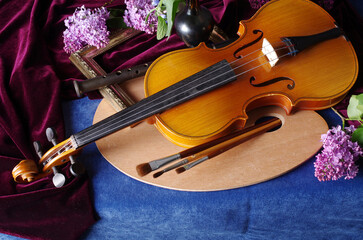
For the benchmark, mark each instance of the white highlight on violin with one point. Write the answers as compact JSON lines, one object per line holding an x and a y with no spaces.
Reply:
{"x":269,"y":52}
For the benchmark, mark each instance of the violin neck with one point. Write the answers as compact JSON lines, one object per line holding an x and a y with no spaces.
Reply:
{"x":202,"y":82}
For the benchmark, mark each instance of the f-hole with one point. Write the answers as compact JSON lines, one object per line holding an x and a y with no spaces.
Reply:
{"x":256,"y":31}
{"x":290,"y":86}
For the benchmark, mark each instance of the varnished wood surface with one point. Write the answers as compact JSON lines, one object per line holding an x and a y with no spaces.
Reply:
{"x":263,"y":158}
{"x":323,"y":74}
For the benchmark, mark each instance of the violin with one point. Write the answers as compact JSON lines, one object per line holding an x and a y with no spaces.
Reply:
{"x":290,"y":54}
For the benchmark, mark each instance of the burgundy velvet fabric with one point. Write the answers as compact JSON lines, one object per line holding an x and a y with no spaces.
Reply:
{"x":32,"y":67}
{"x":35,"y":74}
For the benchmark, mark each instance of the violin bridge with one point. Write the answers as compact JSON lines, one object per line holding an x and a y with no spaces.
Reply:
{"x":270,"y":53}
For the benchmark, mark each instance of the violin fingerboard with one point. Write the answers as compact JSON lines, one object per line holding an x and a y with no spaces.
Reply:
{"x":191,"y":87}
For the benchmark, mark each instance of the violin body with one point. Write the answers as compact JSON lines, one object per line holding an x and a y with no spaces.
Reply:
{"x":316,"y":78}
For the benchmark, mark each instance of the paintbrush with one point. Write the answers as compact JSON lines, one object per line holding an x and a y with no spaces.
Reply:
{"x":145,"y":168}
{"x":184,"y":161}
{"x":178,"y":164}
{"x":231,"y":143}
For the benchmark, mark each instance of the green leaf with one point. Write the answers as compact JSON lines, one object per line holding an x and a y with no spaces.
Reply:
{"x":162,"y":27}
{"x":357,"y":136}
{"x":355,"y":107}
{"x":171,"y":9}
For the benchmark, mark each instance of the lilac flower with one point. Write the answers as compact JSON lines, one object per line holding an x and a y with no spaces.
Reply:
{"x":256,"y":4}
{"x":136,"y":13}
{"x":86,"y":27}
{"x":339,"y":155}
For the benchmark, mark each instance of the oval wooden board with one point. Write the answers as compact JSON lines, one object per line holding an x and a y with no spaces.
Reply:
{"x":260,"y":159}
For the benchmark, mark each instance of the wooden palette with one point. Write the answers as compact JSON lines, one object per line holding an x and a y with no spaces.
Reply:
{"x":260,"y":159}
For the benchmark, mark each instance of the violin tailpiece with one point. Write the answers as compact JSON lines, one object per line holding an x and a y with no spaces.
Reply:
{"x":299,"y":43}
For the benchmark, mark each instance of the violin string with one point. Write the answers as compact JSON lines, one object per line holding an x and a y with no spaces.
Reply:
{"x":259,"y":49}
{"x":80,"y":135}
{"x":70,"y":145}
{"x":113,"y":126}
{"x":256,"y":58}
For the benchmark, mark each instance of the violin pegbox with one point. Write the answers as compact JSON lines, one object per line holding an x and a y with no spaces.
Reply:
{"x":58,"y":179}
{"x":76,"y":167}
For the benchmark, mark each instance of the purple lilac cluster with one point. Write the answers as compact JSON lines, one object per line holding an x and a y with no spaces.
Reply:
{"x":256,"y":4}
{"x":339,"y":155}
{"x":84,"y":27}
{"x":136,"y":13}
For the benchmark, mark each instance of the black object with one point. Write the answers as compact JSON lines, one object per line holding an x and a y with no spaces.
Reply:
{"x":194,"y":24}
{"x":109,"y":79}
{"x":298,"y":44}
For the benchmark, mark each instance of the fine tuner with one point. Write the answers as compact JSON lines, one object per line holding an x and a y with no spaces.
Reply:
{"x":289,"y":54}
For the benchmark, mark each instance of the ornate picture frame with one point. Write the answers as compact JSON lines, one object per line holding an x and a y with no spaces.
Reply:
{"x":84,"y":60}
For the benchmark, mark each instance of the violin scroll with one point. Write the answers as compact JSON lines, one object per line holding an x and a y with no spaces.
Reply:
{"x":26,"y":171}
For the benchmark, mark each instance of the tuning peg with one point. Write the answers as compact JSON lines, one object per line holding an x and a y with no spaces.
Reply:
{"x":51,"y":135}
{"x":76,"y":168}
{"x":58,"y":179}
{"x":38,"y":149}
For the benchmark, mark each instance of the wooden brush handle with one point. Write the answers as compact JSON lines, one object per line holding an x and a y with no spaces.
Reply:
{"x":229,"y":141}
{"x":246,"y":132}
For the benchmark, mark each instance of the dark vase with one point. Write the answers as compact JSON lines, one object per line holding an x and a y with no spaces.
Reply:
{"x":194,"y":23}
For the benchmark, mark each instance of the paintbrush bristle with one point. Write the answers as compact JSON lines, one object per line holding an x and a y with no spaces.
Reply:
{"x":158,"y":174}
{"x":180,"y":170}
{"x":143,"y":169}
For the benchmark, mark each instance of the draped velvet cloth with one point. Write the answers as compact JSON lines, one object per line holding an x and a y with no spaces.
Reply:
{"x":36,"y":74}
